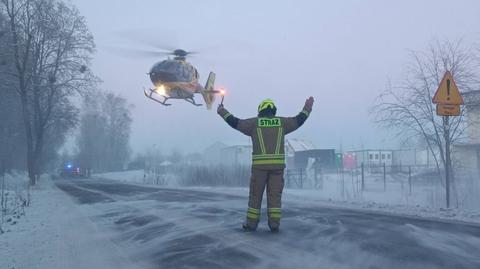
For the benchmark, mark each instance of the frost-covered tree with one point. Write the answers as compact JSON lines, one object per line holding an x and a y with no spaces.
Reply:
{"x":12,"y":133}
{"x":407,"y":107}
{"x":105,"y":126}
{"x":49,"y":47}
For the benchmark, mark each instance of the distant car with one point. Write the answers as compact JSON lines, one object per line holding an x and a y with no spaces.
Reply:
{"x":71,"y":171}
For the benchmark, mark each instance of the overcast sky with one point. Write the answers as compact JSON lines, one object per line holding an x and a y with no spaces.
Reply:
{"x":340,"y":52}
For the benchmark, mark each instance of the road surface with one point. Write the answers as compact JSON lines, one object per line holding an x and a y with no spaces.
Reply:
{"x":184,"y":228}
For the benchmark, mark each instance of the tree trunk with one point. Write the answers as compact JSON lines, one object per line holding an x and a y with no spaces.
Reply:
{"x":31,"y":163}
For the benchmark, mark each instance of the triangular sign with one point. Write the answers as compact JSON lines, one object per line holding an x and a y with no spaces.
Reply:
{"x":447,"y":92}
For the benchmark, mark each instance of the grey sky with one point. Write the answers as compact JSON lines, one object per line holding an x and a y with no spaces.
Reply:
{"x":341,"y":52}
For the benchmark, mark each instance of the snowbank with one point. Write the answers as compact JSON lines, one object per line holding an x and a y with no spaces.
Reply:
{"x":55,"y":233}
{"x":14,"y":197}
{"x":132,"y":176}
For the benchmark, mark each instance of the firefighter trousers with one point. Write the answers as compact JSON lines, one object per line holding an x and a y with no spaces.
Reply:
{"x":274,"y":182}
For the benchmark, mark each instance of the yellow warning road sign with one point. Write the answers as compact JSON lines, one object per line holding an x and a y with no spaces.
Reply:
{"x":447,"y":92}
{"x":448,"y":110}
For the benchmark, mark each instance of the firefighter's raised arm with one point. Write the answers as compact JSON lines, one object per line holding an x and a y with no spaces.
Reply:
{"x":244,"y":126}
{"x":292,"y":124}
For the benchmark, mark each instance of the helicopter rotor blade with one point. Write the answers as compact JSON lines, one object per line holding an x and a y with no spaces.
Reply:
{"x":137,"y":52}
{"x":194,"y":52}
{"x":144,"y":36}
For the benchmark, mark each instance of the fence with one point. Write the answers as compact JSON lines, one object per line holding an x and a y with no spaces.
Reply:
{"x":297,"y":178}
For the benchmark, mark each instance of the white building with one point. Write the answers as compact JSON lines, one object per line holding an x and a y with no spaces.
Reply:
{"x":413,"y":157}
{"x":372,"y":157}
{"x":221,"y":153}
{"x":295,"y":145}
{"x":237,"y":155}
{"x":467,"y":154}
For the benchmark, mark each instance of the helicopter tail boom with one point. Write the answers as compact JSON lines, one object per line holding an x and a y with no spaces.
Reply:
{"x":209,"y":92}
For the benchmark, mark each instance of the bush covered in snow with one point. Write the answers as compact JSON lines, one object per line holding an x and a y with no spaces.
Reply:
{"x":14,"y":197}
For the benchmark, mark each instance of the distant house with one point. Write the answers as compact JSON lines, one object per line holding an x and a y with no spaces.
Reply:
{"x":301,"y":153}
{"x":237,"y":154}
{"x":413,"y":157}
{"x":467,"y":154}
{"x":221,"y":153}
{"x":295,"y":145}
{"x":323,"y":159}
{"x":298,"y":152}
{"x":213,"y":153}
{"x":372,"y":157}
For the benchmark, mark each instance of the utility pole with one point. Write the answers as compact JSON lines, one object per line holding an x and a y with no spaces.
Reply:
{"x":410,"y":180}
{"x":363,"y":177}
{"x":384,"y":177}
{"x":448,"y":161}
{"x":448,"y":100}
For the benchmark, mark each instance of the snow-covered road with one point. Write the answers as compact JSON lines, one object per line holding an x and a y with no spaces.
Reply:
{"x":185,"y":228}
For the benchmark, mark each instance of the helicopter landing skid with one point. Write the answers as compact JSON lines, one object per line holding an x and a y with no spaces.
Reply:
{"x":192,"y":101}
{"x":150,"y":96}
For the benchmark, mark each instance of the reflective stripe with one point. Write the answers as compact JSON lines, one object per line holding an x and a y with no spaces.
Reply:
{"x":226,"y":116}
{"x":257,"y":162}
{"x":260,"y":139}
{"x":253,"y":213}
{"x":268,"y":156}
{"x":268,"y":159}
{"x":279,"y":140}
{"x":275,"y":213}
{"x":305,"y":112}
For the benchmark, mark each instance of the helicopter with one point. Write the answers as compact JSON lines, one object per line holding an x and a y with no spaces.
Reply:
{"x":178,"y":79}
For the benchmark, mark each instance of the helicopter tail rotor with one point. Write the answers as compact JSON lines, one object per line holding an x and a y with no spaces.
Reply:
{"x":209,"y":92}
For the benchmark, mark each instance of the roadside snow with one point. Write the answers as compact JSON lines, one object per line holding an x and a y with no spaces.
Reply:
{"x":132,"y":176}
{"x":55,"y":233}
{"x":315,"y":198}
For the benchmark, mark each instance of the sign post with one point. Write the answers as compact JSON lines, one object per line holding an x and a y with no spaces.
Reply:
{"x":448,"y":100}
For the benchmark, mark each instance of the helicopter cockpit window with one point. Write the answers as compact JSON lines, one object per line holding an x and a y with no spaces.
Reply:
{"x":173,"y":71}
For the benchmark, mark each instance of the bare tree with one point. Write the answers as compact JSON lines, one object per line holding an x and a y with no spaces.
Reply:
{"x":12,"y":137}
{"x":103,"y":141}
{"x":407,"y":106}
{"x":50,"y":49}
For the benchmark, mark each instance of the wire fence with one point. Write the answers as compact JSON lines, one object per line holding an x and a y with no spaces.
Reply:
{"x":402,"y":184}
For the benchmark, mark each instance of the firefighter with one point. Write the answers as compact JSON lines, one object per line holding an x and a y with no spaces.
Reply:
{"x":267,"y":132}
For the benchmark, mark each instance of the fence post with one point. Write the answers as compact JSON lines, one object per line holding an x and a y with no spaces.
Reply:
{"x":287,"y":175}
{"x":410,"y":180}
{"x":384,"y":177}
{"x":363,"y":177}
{"x":301,"y":178}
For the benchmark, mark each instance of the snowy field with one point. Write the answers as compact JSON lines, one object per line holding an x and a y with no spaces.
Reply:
{"x":54,"y":233}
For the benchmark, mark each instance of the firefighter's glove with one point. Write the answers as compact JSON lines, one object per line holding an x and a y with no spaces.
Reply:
{"x":309,"y":104}
{"x":221,"y":110}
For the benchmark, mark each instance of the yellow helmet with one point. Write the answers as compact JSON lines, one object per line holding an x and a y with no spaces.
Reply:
{"x":267,"y":103}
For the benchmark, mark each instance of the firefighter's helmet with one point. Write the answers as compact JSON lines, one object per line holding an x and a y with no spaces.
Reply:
{"x":267,"y":103}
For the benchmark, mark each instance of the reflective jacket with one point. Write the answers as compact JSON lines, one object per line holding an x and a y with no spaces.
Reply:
{"x":268,"y":136}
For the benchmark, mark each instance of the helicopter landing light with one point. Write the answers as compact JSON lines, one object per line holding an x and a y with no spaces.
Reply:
{"x":161,"y":90}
